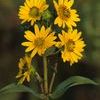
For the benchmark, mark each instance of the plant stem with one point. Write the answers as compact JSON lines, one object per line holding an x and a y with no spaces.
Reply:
{"x":40,"y":81}
{"x":53,"y":78}
{"x":45,"y":75}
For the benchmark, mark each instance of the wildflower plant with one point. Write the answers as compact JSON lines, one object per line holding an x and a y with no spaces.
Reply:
{"x":53,"y":30}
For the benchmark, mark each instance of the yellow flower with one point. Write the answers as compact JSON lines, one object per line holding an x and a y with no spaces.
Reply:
{"x":72,"y":46}
{"x":32,"y":10}
{"x":25,"y":69}
{"x":65,"y":15}
{"x":39,"y":41}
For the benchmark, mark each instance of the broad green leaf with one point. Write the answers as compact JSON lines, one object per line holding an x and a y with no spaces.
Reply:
{"x":70,"y":82}
{"x":13,"y":88}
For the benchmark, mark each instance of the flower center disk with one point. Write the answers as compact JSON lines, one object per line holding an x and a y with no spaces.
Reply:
{"x":63,"y":12}
{"x":25,"y":68}
{"x":70,"y":45}
{"x":34,"y":12}
{"x":39,"y":42}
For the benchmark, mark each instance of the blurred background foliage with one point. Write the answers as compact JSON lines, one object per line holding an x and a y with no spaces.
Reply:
{"x":11,"y":36}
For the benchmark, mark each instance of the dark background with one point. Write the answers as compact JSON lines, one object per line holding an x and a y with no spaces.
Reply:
{"x":11,"y":36}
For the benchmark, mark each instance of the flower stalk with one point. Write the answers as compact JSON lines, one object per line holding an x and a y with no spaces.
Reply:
{"x":40,"y":80}
{"x":45,"y":76}
{"x":53,"y":78}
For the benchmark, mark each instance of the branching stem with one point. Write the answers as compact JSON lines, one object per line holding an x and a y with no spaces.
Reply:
{"x":53,"y":78}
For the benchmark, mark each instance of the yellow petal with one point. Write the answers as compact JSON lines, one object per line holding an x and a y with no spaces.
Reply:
{"x":43,"y":8}
{"x":76,"y":35}
{"x":28,"y":3}
{"x":29,"y":35}
{"x":32,"y":22}
{"x":48,"y":30}
{"x":42,"y":31}
{"x":41,"y":51}
{"x":69,"y":3}
{"x":36,"y":28}
{"x":28,"y":78}
{"x":58,"y":44}
{"x":60,"y":2}
{"x":56,"y":5}
{"x":32,"y":2}
{"x":23,"y":21}
{"x":28,"y":59}
{"x":29,"y":48}
{"x":27,"y":44}
{"x":34,"y":52}
{"x":58,"y":21}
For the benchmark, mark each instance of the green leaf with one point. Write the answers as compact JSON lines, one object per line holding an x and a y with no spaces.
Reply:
{"x":70,"y":82}
{"x":13,"y":88}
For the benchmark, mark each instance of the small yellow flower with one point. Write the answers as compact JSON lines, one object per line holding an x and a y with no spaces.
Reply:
{"x":39,"y":41}
{"x":66,"y":15}
{"x":32,"y":10}
{"x":25,"y":69}
{"x":72,"y":46}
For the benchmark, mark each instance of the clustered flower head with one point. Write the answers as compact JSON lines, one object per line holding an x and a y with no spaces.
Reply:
{"x":65,"y":14}
{"x":42,"y":37}
{"x":25,"y":69}
{"x":32,"y":10}
{"x":72,"y":45}
{"x":39,"y":41}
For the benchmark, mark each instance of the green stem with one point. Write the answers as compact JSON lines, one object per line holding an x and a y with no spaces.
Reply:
{"x":55,"y":53}
{"x":38,"y":77}
{"x":53,"y":78}
{"x":40,"y":81}
{"x":45,"y":75}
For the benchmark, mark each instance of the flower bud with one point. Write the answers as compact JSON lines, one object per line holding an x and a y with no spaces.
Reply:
{"x":46,"y":15}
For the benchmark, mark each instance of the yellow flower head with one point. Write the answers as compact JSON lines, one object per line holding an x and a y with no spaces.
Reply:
{"x":72,"y":46}
{"x":39,"y":41}
{"x":66,"y":15}
{"x":32,"y":10}
{"x":25,"y":69}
